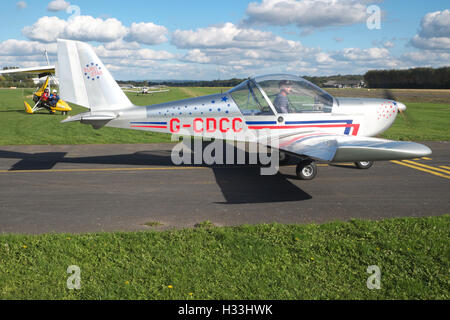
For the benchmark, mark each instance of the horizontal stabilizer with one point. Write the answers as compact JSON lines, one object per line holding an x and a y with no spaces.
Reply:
{"x":97,"y":120}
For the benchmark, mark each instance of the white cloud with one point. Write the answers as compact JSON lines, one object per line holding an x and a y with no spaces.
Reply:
{"x":58,"y":5}
{"x":242,"y":50}
{"x":324,"y":58}
{"x":196,"y":56}
{"x":307,"y":13}
{"x":436,"y":24}
{"x":255,"y":51}
{"x":426,"y":58}
{"x":21,"y":5}
{"x":147,"y":33}
{"x":228,"y":35}
{"x":120,"y":44}
{"x":364,"y":55}
{"x":87,"y":28}
{"x":20,"y":48}
{"x":135,"y":54}
{"x":46,"y":29}
{"x":434,"y":33}
{"x":389,"y":44}
{"x":435,"y":43}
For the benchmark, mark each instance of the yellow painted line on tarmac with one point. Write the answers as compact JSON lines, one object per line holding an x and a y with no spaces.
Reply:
{"x":104,"y":170}
{"x":325,"y":165}
{"x":425,"y":158}
{"x":294,"y":165}
{"x":421,"y":169}
{"x":445,"y":167}
{"x":428,"y":167}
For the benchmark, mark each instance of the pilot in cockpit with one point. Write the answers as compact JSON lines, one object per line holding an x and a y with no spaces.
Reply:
{"x":281,"y":102}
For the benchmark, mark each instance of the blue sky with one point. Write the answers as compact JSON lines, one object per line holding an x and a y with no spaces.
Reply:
{"x":176,"y":39}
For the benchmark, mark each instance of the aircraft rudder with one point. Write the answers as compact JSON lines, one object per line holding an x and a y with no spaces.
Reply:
{"x":85,"y":80}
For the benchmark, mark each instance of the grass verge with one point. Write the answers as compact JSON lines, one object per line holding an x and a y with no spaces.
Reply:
{"x":327,"y":261}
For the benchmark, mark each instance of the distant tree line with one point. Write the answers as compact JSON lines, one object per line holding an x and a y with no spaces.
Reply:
{"x":320,"y":81}
{"x":188,"y":83}
{"x":417,"y":78}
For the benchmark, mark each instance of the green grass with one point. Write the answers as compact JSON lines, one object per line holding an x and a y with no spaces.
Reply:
{"x":327,"y":261}
{"x":19,"y":128}
{"x":422,"y":122}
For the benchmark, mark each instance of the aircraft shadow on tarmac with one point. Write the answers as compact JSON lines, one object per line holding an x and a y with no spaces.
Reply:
{"x":239,"y":184}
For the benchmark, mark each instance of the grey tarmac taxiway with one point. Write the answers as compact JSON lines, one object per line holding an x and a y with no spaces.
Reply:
{"x":93,"y":188}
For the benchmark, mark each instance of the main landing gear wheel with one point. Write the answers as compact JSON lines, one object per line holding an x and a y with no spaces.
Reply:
{"x":64,"y":113}
{"x":306,"y":170}
{"x":364,"y":164}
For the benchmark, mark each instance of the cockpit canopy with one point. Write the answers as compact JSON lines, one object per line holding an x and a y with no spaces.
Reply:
{"x":280,"y":93}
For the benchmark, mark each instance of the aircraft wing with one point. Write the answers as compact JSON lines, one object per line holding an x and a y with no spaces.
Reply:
{"x":340,"y":148}
{"x":33,"y":70}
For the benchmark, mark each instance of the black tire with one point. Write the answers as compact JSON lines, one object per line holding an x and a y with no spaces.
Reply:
{"x":64,"y":113}
{"x":364,"y":165}
{"x":306,"y":170}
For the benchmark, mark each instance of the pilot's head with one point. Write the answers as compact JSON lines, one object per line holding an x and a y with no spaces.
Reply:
{"x":46,"y":90}
{"x":55,"y":91}
{"x":286,"y":86}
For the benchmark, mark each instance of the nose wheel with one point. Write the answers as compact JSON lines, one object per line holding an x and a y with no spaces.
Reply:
{"x":306,"y":170}
{"x":364,"y":164}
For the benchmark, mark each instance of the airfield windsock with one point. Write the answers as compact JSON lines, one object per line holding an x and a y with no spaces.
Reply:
{"x":85,"y":81}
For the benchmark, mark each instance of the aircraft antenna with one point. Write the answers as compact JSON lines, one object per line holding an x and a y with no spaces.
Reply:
{"x":48,"y":63}
{"x":46,"y":56}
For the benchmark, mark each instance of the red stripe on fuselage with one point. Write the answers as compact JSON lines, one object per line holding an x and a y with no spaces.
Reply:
{"x":354,"y":126}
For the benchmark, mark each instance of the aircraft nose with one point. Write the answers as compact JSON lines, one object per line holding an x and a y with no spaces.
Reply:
{"x":401,"y":107}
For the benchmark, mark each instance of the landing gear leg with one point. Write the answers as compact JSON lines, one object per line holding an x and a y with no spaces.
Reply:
{"x":284,"y":158}
{"x":306,"y":170}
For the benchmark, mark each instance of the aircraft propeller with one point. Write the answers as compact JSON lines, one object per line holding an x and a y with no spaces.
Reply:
{"x":388,"y":94}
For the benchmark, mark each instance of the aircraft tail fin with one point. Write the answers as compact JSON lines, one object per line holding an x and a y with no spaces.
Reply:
{"x":84,"y":79}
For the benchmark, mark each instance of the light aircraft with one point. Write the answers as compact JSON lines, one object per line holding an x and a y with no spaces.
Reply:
{"x":285,"y":112}
{"x":60,"y":106}
{"x":145,"y":90}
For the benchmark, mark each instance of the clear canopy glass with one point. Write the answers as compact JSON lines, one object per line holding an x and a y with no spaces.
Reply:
{"x":250,"y":100}
{"x":286,"y":93}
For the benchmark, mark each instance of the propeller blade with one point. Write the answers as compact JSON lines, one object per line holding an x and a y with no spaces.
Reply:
{"x":401,"y":113}
{"x":388,"y":94}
